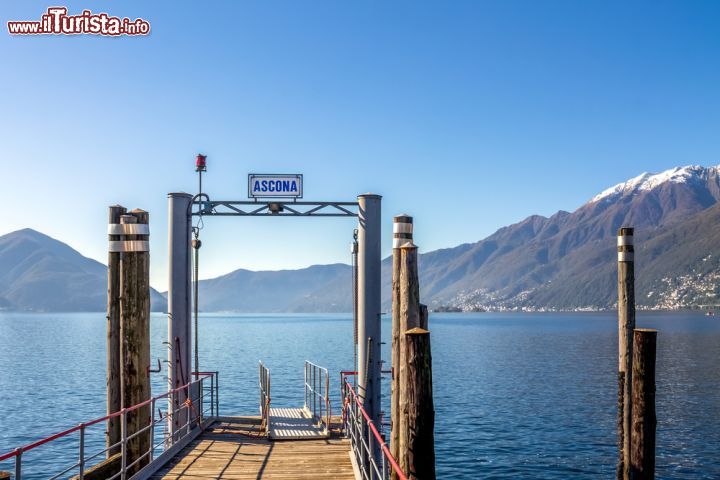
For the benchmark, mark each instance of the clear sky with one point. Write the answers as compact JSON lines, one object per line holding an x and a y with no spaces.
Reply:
{"x":467,"y":115}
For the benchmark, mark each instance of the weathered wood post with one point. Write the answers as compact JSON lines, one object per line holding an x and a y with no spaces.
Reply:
{"x":135,"y":331}
{"x":424,"y":316}
{"x":409,"y":318}
{"x":113,"y":329}
{"x":626,"y":325}
{"x":416,"y":417}
{"x":642,"y":452}
{"x":420,"y":439}
{"x":402,"y":233}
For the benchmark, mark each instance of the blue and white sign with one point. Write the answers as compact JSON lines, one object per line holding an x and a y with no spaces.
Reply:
{"x":275,"y":186}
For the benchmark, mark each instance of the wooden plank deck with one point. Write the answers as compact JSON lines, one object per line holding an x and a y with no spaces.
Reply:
{"x":231,"y":449}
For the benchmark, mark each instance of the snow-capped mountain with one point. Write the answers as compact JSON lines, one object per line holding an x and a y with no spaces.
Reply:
{"x":649,"y":181}
{"x":568,"y":260}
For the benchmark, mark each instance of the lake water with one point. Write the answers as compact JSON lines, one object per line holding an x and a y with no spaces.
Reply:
{"x":516,"y":395}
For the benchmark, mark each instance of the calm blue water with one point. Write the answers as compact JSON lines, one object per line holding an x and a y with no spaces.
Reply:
{"x":516,"y":395}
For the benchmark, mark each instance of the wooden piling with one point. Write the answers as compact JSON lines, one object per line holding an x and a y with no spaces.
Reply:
{"x":113,"y":334}
{"x":416,"y":417}
{"x":409,"y":319}
{"x":135,"y":333}
{"x":626,"y":325}
{"x":402,"y":233}
{"x":424,"y":316}
{"x":102,"y":470}
{"x":418,"y":459}
{"x":642,"y":453}
{"x":395,"y":354}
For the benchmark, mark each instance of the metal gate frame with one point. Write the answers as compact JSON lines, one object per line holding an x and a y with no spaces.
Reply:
{"x":367,"y":209}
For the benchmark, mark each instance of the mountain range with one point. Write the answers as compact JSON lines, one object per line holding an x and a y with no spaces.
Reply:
{"x":563,"y":262}
{"x":39,"y":273}
{"x":568,"y":261}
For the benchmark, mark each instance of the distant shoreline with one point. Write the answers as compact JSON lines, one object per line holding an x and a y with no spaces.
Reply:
{"x":384,"y":314}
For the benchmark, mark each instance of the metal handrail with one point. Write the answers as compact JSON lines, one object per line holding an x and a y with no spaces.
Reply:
{"x":365,"y":439}
{"x":317,"y":394}
{"x":264,"y":374}
{"x":83,"y":458}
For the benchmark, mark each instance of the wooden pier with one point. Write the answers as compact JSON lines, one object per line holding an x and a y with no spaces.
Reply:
{"x":282,"y":442}
{"x":236,"y":448}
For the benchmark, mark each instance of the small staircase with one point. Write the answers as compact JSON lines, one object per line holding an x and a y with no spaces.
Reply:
{"x":311,"y":422}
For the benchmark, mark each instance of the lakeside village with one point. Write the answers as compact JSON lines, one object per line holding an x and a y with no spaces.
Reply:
{"x":694,"y":291}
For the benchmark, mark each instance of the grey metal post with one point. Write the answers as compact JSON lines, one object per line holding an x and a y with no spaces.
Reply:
{"x":369,"y":340}
{"x":152,"y":430}
{"x":81,"y":461}
{"x":18,"y":464}
{"x":179,"y":230}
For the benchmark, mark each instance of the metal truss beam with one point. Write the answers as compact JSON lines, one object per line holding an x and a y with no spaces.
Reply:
{"x":276,"y":208}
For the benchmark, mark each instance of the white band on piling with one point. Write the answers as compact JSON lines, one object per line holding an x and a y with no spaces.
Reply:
{"x":402,"y":228}
{"x":128,"y":229}
{"x":625,"y":240}
{"x":129,"y":246}
{"x":626,"y":256}
{"x":400,"y":239}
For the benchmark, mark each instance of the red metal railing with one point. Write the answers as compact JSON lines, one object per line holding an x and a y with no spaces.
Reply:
{"x":199,"y":379}
{"x":355,"y":420}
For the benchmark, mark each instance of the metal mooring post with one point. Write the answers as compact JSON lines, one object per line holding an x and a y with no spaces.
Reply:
{"x":179,"y":351}
{"x":369,"y":365}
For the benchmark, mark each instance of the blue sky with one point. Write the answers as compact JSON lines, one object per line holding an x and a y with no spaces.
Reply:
{"x":467,"y":115}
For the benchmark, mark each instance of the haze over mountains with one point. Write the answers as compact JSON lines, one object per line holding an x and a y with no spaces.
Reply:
{"x":319,"y":288}
{"x":566,"y":261}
